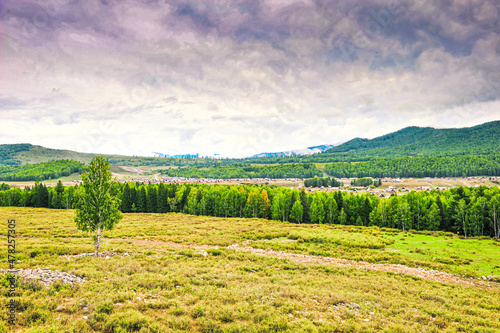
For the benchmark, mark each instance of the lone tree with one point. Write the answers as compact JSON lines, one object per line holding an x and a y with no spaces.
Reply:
{"x":97,"y":205}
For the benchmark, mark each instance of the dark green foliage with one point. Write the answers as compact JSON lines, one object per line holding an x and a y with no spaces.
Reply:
{"x":40,"y":171}
{"x":468,"y":211}
{"x":362,"y":182}
{"x":247,"y":171}
{"x":426,"y":141}
{"x":126,"y":204}
{"x":318,"y":182}
{"x":152,"y":199}
{"x":448,"y":166}
{"x":411,"y":141}
{"x":8,"y":153}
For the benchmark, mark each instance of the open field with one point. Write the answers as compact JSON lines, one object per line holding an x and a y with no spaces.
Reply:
{"x":203,"y":274}
{"x":412,"y":184}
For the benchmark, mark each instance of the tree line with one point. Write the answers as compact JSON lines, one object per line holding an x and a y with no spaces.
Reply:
{"x":40,"y":171}
{"x":419,"y":167}
{"x":466,"y":210}
{"x":325,"y":182}
{"x":304,"y":170}
{"x":365,"y":182}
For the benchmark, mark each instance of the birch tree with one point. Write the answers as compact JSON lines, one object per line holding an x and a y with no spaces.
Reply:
{"x":97,"y":205}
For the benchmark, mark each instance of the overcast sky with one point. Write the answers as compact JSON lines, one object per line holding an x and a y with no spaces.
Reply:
{"x":241,"y":77}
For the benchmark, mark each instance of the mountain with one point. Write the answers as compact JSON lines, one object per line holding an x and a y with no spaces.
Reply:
{"x":424,"y":141}
{"x":25,"y":153}
{"x":182,"y":155}
{"x":409,"y":141}
{"x":297,"y":152}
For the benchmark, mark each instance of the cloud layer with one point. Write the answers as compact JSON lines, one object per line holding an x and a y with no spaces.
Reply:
{"x":241,"y":77}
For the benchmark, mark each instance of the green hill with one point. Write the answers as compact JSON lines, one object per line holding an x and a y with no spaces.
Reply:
{"x":409,"y":141}
{"x":25,"y":153}
{"x":425,"y":141}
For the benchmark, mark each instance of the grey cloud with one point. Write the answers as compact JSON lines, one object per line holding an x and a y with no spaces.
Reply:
{"x":232,"y":64}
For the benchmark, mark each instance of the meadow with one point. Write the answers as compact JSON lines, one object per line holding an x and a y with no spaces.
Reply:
{"x":158,"y":278}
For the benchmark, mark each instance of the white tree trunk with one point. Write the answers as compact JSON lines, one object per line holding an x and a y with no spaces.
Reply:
{"x":97,"y":242}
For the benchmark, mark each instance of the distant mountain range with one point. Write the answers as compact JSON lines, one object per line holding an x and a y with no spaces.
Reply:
{"x":297,"y":152}
{"x":182,"y":155}
{"x":409,"y":141}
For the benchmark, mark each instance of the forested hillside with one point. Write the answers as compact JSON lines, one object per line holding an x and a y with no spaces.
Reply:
{"x":410,"y":141}
{"x":427,"y":141}
{"x":40,"y":171}
{"x":418,"y":167}
{"x":8,"y":153}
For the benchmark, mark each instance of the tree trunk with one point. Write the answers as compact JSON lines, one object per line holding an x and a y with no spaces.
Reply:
{"x":97,"y":239}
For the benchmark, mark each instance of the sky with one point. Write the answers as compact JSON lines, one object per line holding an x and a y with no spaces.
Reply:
{"x":241,"y":77}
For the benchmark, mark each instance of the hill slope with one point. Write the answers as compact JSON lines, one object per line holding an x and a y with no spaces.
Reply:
{"x":25,"y":153}
{"x":426,"y":141}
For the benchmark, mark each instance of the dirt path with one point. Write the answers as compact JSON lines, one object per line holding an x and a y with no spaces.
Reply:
{"x":131,"y":169}
{"x":428,"y":274}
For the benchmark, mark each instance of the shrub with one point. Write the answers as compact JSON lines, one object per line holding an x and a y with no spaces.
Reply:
{"x":106,"y":307}
{"x":129,"y":321}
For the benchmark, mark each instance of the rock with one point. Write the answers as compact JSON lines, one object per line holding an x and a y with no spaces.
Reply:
{"x":60,"y":308}
{"x":354,"y":305}
{"x":85,"y":317}
{"x":45,"y":276}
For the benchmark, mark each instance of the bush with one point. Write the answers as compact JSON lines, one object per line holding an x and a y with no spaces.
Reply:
{"x":130,"y":321}
{"x":106,"y":307}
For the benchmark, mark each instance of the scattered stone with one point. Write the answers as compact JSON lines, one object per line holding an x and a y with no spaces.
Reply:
{"x":85,"y":317}
{"x":102,"y":254}
{"x":60,"y":308}
{"x":44,"y":276}
{"x":354,"y":305}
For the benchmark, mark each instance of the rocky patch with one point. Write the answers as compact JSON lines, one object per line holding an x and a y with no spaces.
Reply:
{"x":45,"y":276}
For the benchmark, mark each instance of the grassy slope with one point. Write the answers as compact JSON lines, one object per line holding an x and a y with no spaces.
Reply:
{"x":37,"y":154}
{"x":167,"y":289}
{"x":30,"y":154}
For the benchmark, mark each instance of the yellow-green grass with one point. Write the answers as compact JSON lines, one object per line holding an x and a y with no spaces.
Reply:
{"x":164,"y":289}
{"x":348,"y":242}
{"x":471,"y":257}
{"x":68,"y":180}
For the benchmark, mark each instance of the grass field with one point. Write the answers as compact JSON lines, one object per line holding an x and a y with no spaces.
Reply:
{"x":166,"y":288}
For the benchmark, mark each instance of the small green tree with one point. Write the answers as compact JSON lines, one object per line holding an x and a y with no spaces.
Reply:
{"x":97,"y":205}
{"x":297,"y":212}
